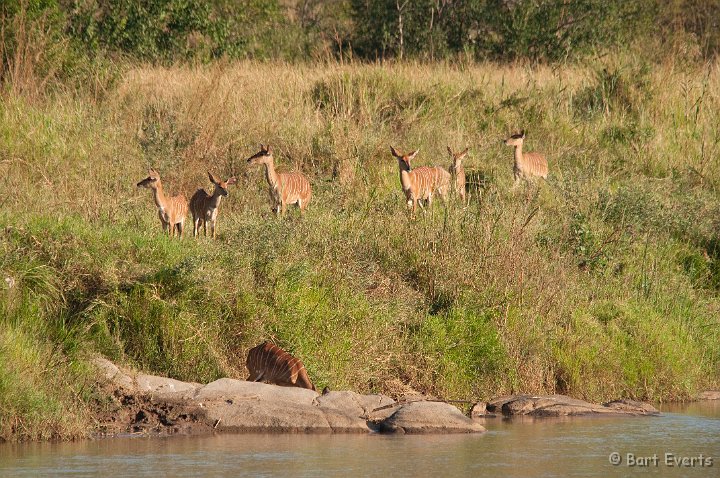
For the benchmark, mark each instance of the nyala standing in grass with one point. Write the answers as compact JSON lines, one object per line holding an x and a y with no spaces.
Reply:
{"x":420,"y":184}
{"x":527,"y":166}
{"x":204,"y":206}
{"x":172,"y":210}
{"x":285,"y":188}
{"x":457,"y":172}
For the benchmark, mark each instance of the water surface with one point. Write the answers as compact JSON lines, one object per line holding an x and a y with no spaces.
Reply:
{"x":511,"y":448}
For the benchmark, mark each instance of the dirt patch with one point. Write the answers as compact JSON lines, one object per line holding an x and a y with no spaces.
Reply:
{"x":139,"y":414}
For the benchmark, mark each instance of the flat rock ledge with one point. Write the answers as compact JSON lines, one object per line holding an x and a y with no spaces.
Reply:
{"x":428,"y":417}
{"x":709,"y":395}
{"x":148,"y":404}
{"x":563,"y":406}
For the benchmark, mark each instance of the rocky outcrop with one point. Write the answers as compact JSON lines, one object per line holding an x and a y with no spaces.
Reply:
{"x":561,"y":406}
{"x":161,"y":385}
{"x":428,"y":417}
{"x":368,"y":407}
{"x":151,"y":404}
{"x":479,"y":410}
{"x":631,"y":407}
{"x":709,"y":395}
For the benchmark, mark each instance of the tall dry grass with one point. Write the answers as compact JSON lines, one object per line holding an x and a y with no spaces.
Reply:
{"x":600,"y":283}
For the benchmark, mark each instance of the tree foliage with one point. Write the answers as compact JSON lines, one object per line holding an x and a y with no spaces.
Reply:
{"x":497,"y":29}
{"x":175,"y":29}
{"x":505,"y":30}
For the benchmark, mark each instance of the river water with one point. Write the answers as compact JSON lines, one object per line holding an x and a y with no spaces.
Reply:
{"x":511,"y":448}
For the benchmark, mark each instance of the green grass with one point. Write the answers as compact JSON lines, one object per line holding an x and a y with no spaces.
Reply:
{"x":601,"y":283}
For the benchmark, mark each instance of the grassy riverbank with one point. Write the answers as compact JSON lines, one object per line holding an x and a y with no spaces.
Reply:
{"x":602,"y":283}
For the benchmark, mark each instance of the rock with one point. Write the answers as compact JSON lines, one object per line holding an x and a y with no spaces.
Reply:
{"x":632,"y":407}
{"x":495,"y":405}
{"x":161,"y":385}
{"x":553,"y":405}
{"x":265,"y":416}
{"x":231,"y":388}
{"x":561,"y":405}
{"x":161,"y":405}
{"x":152,"y":404}
{"x":113,"y":374}
{"x":340,"y":422}
{"x":479,"y":410}
{"x":170,"y":406}
{"x":240,"y":406}
{"x":356,"y":405}
{"x":109,"y":370}
{"x":709,"y":395}
{"x":140,"y":383}
{"x":428,"y":417}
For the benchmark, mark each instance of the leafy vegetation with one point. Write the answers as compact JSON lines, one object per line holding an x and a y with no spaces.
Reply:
{"x":166,"y":31}
{"x":601,"y":282}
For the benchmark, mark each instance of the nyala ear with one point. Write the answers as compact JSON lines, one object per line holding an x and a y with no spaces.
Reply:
{"x":450,"y":151}
{"x":522,"y":133}
{"x":152,"y":172}
{"x":268,"y":149}
{"x":395,"y":153}
{"x":232,"y":180}
{"x":464,"y":152}
{"x":412,"y":155}
{"x":213,"y":178}
{"x":262,"y":147}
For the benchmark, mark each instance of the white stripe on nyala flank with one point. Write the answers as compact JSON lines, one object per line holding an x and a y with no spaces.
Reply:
{"x":271,"y":364}
{"x":285,"y":188}
{"x":421,"y":183}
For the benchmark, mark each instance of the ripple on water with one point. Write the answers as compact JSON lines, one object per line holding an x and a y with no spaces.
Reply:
{"x":577,"y":447}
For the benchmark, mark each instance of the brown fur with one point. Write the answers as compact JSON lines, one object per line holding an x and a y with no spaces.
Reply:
{"x":284,"y":188}
{"x":457,"y":171}
{"x":172,"y":211}
{"x":269,"y":363}
{"x":204,"y":206}
{"x":527,"y":166}
{"x":421,"y":183}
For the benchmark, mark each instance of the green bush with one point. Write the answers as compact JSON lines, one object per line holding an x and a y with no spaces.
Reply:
{"x":600,"y":282}
{"x":621,"y":90}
